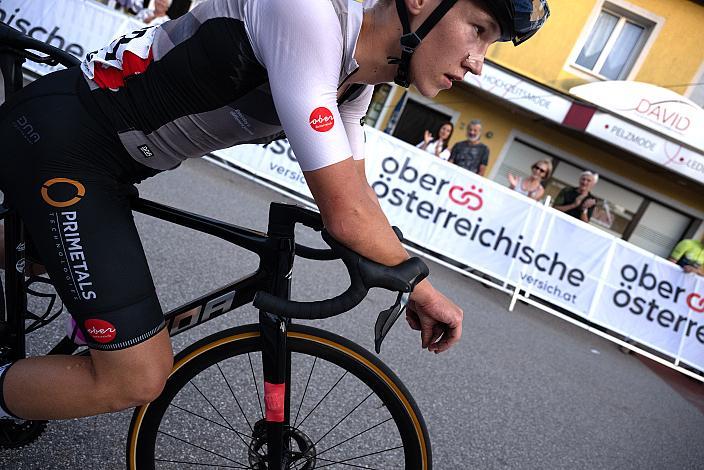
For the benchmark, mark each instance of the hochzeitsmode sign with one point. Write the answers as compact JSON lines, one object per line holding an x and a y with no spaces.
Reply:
{"x":491,"y":228}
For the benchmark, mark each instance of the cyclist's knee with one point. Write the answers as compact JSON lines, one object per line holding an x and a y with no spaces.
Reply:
{"x":133,"y":376}
{"x":134,"y":387}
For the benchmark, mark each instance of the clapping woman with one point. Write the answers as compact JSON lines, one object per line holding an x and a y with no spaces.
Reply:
{"x":438,"y":147}
{"x":532,"y":186}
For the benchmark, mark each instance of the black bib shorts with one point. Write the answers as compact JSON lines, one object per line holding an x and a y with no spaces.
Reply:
{"x":69,"y":177}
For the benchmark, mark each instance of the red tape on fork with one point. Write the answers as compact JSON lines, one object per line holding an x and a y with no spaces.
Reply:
{"x":274,"y":400}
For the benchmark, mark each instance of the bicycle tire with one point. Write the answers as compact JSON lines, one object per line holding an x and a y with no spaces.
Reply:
{"x":233,"y":345}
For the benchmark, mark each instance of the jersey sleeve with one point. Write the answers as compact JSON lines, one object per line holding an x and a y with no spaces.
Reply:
{"x":352,"y":114}
{"x":300,"y":44}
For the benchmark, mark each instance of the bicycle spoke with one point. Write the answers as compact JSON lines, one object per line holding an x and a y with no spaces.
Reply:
{"x":345,"y":461}
{"x":344,"y":418}
{"x":202,"y":448}
{"x":235,"y":397}
{"x":305,"y":390}
{"x":356,"y":435}
{"x":322,"y":399}
{"x":254,"y":379}
{"x":217,"y":411}
{"x":200,"y":464}
{"x":212,"y":421}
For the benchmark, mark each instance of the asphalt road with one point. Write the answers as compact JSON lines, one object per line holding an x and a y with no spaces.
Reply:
{"x":523,"y":389}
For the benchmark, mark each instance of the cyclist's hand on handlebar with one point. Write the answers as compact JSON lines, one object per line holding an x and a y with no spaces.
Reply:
{"x":437,"y":318}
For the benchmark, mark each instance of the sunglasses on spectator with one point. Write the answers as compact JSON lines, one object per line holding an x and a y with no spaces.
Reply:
{"x":540,"y":169}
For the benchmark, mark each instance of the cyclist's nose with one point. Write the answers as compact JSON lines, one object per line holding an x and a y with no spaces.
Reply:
{"x":474,"y":63}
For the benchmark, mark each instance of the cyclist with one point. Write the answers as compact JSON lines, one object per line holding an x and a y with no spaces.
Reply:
{"x":226,"y":73}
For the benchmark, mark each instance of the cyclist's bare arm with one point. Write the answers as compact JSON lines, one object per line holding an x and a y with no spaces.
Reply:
{"x":352,"y":215}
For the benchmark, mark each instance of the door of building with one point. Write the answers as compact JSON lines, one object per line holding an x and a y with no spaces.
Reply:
{"x":415,"y":119}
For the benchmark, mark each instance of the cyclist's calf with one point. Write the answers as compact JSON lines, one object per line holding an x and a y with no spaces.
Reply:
{"x":61,"y":387}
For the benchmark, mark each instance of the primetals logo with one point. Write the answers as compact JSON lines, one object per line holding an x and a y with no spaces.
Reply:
{"x":79,"y":193}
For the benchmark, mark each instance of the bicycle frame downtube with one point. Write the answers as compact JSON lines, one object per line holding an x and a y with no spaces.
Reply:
{"x":215,"y":303}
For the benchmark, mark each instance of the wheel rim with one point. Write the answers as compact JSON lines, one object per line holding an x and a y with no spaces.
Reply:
{"x":337,"y":421}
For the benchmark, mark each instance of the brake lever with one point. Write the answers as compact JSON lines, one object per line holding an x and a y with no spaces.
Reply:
{"x":388,"y":317}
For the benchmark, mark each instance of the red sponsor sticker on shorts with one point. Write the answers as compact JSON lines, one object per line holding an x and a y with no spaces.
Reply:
{"x":100,"y":330}
{"x":321,"y":119}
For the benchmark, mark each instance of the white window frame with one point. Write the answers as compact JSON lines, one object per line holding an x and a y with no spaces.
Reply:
{"x":627,"y":11}
{"x":698,"y":78}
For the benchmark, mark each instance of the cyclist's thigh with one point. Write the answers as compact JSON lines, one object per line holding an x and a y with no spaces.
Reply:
{"x":63,"y":173}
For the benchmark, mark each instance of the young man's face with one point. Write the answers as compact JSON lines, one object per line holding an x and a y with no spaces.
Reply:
{"x":465,"y":31}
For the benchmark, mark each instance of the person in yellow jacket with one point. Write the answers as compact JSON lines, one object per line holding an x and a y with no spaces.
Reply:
{"x":689,"y":254}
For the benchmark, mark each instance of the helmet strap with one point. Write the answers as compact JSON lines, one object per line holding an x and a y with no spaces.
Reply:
{"x":410,"y":41}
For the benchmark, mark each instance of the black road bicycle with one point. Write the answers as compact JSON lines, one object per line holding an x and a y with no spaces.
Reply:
{"x":222,"y":406}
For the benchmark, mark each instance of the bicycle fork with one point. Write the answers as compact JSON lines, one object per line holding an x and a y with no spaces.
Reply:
{"x":276,"y":356}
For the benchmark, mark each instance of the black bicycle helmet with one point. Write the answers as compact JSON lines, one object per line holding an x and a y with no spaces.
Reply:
{"x":518,"y":20}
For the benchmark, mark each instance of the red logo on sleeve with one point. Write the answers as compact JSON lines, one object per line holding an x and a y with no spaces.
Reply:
{"x":100,"y":330}
{"x":321,"y":119}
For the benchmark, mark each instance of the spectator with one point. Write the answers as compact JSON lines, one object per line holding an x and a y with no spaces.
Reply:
{"x":689,"y":254}
{"x":438,"y":147}
{"x":471,"y":154}
{"x":532,"y":186}
{"x":578,"y":202}
{"x":154,"y":14}
{"x":130,"y":6}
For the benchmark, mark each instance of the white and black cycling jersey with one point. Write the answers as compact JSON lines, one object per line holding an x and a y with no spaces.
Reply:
{"x":233,"y":72}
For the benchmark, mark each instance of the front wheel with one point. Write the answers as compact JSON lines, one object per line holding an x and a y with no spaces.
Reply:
{"x":347,"y":409}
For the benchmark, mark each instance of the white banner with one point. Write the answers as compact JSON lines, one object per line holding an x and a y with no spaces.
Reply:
{"x":76,"y":26}
{"x":549,"y":254}
{"x":569,"y":262}
{"x":645,"y":298}
{"x":274,"y":162}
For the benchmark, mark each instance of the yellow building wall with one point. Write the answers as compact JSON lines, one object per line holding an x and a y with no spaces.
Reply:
{"x":501,"y":122}
{"x":675,"y":56}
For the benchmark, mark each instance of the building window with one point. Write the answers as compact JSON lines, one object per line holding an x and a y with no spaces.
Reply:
{"x":696,"y":89}
{"x":614,"y":44}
